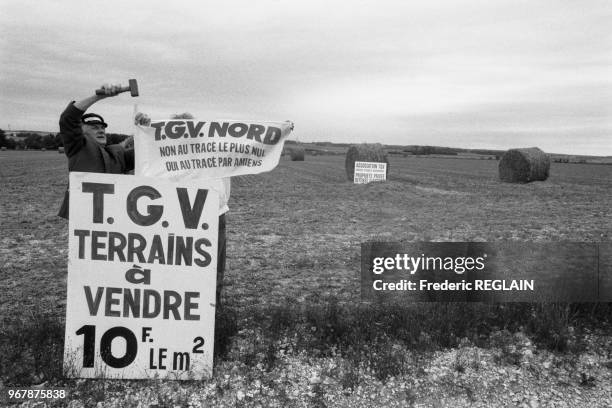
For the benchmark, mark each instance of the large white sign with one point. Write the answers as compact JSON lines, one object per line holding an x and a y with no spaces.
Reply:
{"x":141,"y":278}
{"x":366,"y":172}
{"x":175,"y":148}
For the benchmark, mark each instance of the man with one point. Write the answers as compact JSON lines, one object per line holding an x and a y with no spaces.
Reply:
{"x":84,"y":138}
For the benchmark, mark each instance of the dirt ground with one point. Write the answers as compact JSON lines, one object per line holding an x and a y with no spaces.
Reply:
{"x":294,"y":235}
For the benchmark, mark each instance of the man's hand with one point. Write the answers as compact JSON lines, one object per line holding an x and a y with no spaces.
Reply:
{"x":104,"y":92}
{"x":142,"y":119}
{"x":128,"y":143}
{"x":108,"y":90}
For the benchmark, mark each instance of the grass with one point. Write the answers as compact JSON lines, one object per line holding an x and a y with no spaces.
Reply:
{"x":368,"y":341}
{"x":292,"y":301}
{"x":370,"y":336}
{"x":225,"y":327}
{"x":32,"y":349}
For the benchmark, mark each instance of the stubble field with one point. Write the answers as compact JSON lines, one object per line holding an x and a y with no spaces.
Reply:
{"x":293,"y":266}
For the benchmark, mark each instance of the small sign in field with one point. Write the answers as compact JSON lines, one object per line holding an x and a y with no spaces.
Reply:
{"x":141,"y":278}
{"x":366,"y":172}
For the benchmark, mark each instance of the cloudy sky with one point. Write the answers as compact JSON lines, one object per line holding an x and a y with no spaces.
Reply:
{"x":461,"y":73}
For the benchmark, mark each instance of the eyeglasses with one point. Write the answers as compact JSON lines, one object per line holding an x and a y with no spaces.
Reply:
{"x":95,"y":126}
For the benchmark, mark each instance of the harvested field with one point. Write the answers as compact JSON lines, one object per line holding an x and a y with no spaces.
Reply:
{"x":294,"y":239}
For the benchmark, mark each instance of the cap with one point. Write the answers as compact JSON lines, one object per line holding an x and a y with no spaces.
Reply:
{"x":93,"y":119}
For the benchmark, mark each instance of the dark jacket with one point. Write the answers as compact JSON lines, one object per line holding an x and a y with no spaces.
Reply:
{"x":87,"y":155}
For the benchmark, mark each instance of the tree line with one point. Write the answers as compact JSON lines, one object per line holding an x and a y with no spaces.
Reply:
{"x":51,"y":141}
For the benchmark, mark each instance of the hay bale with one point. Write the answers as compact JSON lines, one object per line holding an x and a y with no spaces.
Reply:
{"x":365,"y":152}
{"x":524,"y":165}
{"x":297,"y":153}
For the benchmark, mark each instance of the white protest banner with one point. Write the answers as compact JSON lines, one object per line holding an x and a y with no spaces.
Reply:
{"x":141,"y":278}
{"x":366,"y":172}
{"x":178,"y":148}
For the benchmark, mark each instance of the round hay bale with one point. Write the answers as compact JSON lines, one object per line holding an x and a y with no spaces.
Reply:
{"x":365,"y":152}
{"x":297,"y":154}
{"x":524,"y":165}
